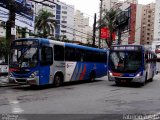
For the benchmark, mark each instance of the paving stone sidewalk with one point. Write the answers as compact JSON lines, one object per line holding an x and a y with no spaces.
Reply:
{"x":4,"y":82}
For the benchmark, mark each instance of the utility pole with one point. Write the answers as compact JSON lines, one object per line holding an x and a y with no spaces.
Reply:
{"x":94,"y":30}
{"x":10,"y":24}
{"x":119,"y":36}
{"x":100,"y":22}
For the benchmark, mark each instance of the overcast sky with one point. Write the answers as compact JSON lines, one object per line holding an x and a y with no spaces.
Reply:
{"x":89,"y":7}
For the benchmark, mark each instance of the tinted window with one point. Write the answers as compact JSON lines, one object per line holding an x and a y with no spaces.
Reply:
{"x":46,"y":55}
{"x":58,"y":53}
{"x":69,"y":54}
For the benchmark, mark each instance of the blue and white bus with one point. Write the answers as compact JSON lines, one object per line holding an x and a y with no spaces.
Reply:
{"x":43,"y":61}
{"x":131,"y":63}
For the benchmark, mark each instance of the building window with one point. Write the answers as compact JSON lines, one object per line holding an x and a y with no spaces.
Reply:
{"x":64,"y":12}
{"x":64,"y":7}
{"x":64,"y":17}
{"x":63,"y":26}
{"x":64,"y":21}
{"x":63,"y":31}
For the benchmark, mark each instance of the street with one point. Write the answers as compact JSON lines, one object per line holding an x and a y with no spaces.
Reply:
{"x":99,"y":98}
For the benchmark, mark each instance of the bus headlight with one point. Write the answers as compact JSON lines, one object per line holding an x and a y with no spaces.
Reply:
{"x":110,"y":73}
{"x":34,"y":74}
{"x":139,"y":74}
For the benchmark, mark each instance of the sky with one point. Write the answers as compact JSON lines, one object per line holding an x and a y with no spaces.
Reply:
{"x":89,"y":7}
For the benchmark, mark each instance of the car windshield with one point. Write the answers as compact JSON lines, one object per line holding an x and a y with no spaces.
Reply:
{"x":24,"y":56}
{"x":125,"y":62}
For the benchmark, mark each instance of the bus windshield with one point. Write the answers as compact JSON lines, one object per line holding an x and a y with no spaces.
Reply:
{"x":125,"y":61}
{"x":24,"y":56}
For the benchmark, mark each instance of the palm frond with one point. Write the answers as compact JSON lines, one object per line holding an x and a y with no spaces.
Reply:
{"x":43,"y":21}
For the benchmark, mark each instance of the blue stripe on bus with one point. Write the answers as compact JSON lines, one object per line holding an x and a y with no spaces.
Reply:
{"x":84,"y":47}
{"x":99,"y":68}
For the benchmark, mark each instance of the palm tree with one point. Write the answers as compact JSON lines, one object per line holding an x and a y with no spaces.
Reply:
{"x":109,"y":20}
{"x":45,"y":23}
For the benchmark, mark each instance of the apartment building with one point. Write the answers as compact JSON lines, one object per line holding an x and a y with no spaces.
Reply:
{"x":132,"y":33}
{"x":147,"y":27}
{"x":108,"y":4}
{"x":82,"y":30}
{"x":157,"y":21}
{"x":64,"y":16}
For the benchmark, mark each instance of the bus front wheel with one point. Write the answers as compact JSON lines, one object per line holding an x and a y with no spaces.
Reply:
{"x":143,"y":83}
{"x":92,"y":76}
{"x":118,"y":83}
{"x":57,"y":80}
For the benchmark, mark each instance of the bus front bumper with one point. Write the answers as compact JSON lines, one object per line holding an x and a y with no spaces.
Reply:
{"x":30,"y":81}
{"x":140,"y":79}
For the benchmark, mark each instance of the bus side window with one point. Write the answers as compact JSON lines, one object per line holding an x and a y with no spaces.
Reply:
{"x":69,"y":54}
{"x":46,"y":55}
{"x":78,"y":54}
{"x":58,"y":53}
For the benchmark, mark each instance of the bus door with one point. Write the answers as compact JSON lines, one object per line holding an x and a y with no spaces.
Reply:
{"x":45,"y":62}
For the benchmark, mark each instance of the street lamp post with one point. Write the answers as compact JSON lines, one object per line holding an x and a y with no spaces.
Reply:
{"x":100,"y":22}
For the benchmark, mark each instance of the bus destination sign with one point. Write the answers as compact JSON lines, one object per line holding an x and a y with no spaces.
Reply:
{"x":122,"y":48}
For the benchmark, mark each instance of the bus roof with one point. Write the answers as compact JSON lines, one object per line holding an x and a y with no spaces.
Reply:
{"x":44,"y":40}
{"x":142,"y":46}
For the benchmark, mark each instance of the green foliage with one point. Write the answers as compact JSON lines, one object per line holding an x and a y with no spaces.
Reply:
{"x":4,"y":48}
{"x":45,"y":23}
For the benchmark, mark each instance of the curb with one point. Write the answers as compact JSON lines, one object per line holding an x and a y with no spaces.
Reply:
{"x":7,"y":85}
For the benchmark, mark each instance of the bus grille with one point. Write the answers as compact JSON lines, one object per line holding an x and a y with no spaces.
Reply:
{"x":21,"y":80}
{"x":21,"y":72}
{"x":127,"y":79}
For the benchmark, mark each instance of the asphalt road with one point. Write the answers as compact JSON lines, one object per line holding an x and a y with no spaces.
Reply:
{"x":81,"y":100}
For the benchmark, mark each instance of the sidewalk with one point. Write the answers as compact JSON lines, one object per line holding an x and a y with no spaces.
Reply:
{"x":4,"y":82}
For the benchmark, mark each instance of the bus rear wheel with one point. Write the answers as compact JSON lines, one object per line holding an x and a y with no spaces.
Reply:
{"x":152,"y":77}
{"x":57,"y":80}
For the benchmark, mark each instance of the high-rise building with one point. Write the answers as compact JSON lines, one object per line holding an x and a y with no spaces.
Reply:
{"x":82,"y":31}
{"x":147,"y":27}
{"x":131,"y":35}
{"x":157,"y":21}
{"x":108,"y":4}
{"x":64,"y":16}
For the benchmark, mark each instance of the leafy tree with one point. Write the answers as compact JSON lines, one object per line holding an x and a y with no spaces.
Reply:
{"x":45,"y":23}
{"x":4,"y":49}
{"x":109,"y":20}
